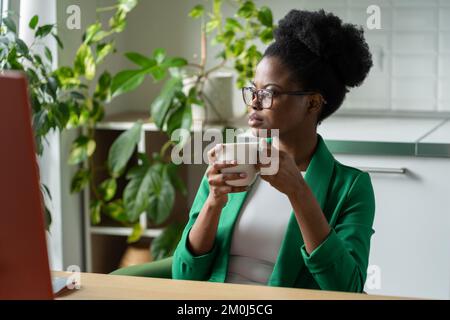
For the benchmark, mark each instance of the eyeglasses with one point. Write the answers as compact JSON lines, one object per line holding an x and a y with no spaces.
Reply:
{"x":265,"y":96}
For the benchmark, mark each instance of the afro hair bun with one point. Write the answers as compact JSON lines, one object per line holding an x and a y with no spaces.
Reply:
{"x":341,"y":45}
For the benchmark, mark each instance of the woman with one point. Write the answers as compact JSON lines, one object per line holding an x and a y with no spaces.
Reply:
{"x":309,"y":225}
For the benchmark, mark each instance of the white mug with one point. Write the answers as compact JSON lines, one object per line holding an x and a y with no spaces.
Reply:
{"x":246,"y":155}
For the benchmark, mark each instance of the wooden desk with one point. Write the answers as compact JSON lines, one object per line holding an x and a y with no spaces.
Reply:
{"x":101,"y":286}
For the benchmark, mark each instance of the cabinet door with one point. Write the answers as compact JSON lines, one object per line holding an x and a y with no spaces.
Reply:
{"x":410,"y":250}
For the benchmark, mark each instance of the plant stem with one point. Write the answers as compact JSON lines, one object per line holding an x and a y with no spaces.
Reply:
{"x":165,"y":147}
{"x":221,"y":65}
{"x":105,"y":9}
{"x":194,"y":65}
{"x":204,"y":51}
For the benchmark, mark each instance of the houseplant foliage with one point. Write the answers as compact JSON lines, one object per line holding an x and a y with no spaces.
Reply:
{"x":76,"y":96}
{"x":49,"y":110}
{"x":152,"y":183}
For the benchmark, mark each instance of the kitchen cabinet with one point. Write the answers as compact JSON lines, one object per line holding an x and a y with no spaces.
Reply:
{"x":410,"y":250}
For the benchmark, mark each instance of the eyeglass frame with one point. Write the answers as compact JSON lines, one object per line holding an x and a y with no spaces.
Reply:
{"x":279,"y":93}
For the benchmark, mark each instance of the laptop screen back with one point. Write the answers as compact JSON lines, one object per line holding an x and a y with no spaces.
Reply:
{"x":24,"y":268}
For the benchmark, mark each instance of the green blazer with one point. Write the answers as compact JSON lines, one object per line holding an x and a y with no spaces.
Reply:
{"x":346,"y":197}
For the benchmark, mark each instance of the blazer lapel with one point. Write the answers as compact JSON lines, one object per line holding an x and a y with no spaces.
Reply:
{"x":289,"y":261}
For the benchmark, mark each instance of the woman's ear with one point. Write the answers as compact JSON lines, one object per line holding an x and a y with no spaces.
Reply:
{"x":315,"y":103}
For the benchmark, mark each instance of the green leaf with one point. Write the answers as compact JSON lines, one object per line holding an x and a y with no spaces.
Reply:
{"x":211,"y":25}
{"x":96,"y":208}
{"x":103,"y":89}
{"x":77,"y":95}
{"x":103,"y":50}
{"x":265,"y":16}
{"x":10,"y":24}
{"x":159,"y":55}
{"x":232,"y":24}
{"x":22,"y":47}
{"x":127,"y":81}
{"x":98,"y":112}
{"x":91,"y":32}
{"x":217,"y":4}
{"x":48,"y":218}
{"x":197,"y":11}
{"x":80,"y":180}
{"x":175,"y":62}
{"x":43,"y":31}
{"x":140,"y":59}
{"x":162,"y":198}
{"x":136,"y":193}
{"x":165,"y":244}
{"x":246,"y":10}
{"x":158,"y":73}
{"x":108,"y":189}
{"x":116,"y":211}
{"x":48,"y":54}
{"x":161,"y":105}
{"x":82,"y":148}
{"x":58,"y":40}
{"x":122,"y":149}
{"x":84,"y":62}
{"x":46,"y":192}
{"x":136,"y":233}
{"x":127,"y":5}
{"x":33,"y":22}
{"x":266,"y":35}
{"x":61,"y":113}
{"x":180,"y":119}
{"x":66,"y":76}
{"x":177,"y":182}
{"x":118,"y":21}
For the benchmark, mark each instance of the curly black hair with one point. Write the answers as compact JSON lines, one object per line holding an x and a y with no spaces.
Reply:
{"x":324,"y":54}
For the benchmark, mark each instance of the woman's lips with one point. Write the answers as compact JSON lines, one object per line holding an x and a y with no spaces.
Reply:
{"x":254,"y":120}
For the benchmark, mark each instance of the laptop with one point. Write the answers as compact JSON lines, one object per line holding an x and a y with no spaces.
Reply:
{"x":24,"y":266}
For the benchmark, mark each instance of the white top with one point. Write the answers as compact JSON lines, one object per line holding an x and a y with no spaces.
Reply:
{"x":258,"y":234}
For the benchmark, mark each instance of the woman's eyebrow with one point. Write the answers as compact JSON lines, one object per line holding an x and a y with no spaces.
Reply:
{"x":267,"y":85}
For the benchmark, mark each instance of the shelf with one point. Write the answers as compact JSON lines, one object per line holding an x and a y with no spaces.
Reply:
{"x":125,"y":120}
{"x":123,"y":231}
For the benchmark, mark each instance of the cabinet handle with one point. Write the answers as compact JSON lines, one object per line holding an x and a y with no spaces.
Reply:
{"x":384,"y":170}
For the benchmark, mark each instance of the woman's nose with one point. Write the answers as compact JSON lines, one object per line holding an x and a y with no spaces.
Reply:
{"x":256,"y":105}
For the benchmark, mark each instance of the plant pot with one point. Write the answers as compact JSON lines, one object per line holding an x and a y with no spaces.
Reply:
{"x":219,"y":93}
{"x":135,"y":255}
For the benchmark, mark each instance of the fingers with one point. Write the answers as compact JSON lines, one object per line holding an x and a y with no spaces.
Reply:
{"x":224,"y":190}
{"x":221,"y":179}
{"x":218,"y":166}
{"x":213,"y":153}
{"x":238,"y":189}
{"x":221,"y":191}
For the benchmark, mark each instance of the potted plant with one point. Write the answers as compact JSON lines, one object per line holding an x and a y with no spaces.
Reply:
{"x":152,"y":183}
{"x":76,"y":96}
{"x":49,"y":111}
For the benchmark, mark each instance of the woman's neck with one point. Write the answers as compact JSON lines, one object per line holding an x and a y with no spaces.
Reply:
{"x":301,"y":145}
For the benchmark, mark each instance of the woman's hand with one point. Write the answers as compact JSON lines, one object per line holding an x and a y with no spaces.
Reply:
{"x":288,"y":178}
{"x":218,"y":188}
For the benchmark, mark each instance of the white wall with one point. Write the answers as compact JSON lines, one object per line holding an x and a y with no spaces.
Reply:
{"x":411,"y":50}
{"x":72,"y":205}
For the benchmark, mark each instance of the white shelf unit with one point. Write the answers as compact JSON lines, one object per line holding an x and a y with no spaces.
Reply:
{"x":150,"y":135}
{"x":117,"y":235}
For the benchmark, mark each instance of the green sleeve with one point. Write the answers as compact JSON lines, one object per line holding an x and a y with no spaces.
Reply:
{"x":185,"y":265}
{"x":340,"y":262}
